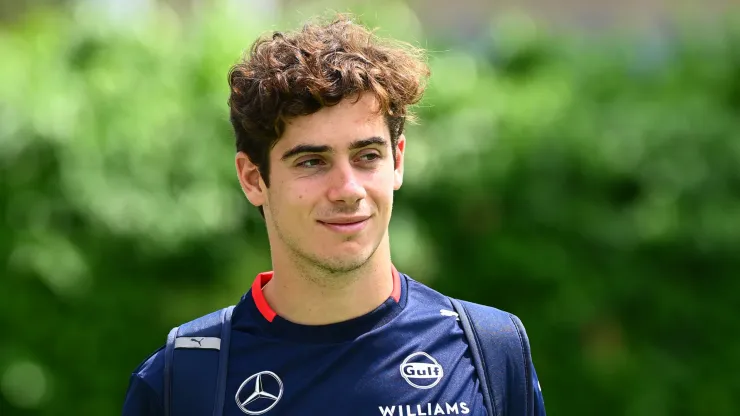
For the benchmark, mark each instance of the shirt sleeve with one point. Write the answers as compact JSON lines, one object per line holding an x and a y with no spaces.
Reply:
{"x":539,"y":401}
{"x":144,"y":394}
{"x":141,"y":399}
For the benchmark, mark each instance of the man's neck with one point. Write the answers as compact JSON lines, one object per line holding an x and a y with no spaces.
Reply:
{"x":309,"y":297}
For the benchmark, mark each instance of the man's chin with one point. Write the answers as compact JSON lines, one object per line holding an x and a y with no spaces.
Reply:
{"x":343,"y":263}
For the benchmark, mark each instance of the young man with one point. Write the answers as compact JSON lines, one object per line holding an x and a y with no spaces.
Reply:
{"x":334,"y":328}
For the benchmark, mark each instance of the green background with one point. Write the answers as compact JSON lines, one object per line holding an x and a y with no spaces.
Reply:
{"x":587,"y":182}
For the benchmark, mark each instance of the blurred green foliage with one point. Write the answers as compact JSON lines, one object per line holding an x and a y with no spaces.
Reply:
{"x":587,"y":182}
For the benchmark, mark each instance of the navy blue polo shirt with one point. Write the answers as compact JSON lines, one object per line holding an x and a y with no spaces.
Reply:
{"x":408,"y":357}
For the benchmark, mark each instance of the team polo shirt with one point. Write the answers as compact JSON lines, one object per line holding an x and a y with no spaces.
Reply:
{"x":408,"y":357}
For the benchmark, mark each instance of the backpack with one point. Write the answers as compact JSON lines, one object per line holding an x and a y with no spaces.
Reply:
{"x":197,"y":355}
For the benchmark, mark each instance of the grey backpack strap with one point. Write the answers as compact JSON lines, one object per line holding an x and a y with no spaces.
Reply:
{"x":500,"y":350}
{"x":196,"y":362}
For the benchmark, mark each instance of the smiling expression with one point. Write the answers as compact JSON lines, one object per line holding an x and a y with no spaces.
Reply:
{"x":332,"y":179}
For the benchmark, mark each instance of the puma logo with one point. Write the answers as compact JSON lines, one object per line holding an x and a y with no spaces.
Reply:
{"x":198,"y":340}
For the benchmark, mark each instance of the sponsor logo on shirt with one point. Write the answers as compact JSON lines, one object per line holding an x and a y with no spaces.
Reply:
{"x":429,"y":409}
{"x":259,"y":393}
{"x":421,"y":370}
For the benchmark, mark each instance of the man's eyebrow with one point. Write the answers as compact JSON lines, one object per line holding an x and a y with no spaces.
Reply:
{"x":304,"y":148}
{"x":359,"y":144}
{"x":310,"y":148}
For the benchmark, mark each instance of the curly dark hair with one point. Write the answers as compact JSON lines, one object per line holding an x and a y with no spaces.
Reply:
{"x":292,"y":74}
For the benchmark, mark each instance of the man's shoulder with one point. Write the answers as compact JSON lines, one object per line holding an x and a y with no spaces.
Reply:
{"x":429,"y":295}
{"x":144,"y":396}
{"x":423,"y":290}
{"x":151,"y":370}
{"x":153,"y":366}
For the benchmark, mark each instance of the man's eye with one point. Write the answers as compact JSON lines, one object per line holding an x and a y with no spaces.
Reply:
{"x":369,"y":157}
{"x":310,"y":163}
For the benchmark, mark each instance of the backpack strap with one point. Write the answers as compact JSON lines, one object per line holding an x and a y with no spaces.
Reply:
{"x":501,"y":356}
{"x":195,"y":366}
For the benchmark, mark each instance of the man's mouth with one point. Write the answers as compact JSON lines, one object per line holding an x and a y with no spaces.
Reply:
{"x":346,"y":225}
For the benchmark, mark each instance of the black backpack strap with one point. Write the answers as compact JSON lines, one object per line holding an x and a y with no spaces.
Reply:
{"x":196,"y":362}
{"x":502,"y":359}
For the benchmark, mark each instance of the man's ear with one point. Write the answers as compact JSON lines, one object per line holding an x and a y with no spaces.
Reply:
{"x":250,"y":179}
{"x":398,"y":173}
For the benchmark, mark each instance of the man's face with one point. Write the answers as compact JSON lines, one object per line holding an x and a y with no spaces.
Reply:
{"x":332,"y":178}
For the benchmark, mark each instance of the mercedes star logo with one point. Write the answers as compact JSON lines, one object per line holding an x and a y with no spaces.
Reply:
{"x":259,"y":393}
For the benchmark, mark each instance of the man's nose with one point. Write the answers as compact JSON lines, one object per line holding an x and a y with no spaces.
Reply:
{"x":345,"y":185}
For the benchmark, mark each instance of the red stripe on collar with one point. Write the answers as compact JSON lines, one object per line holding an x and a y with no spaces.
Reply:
{"x":261,"y":280}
